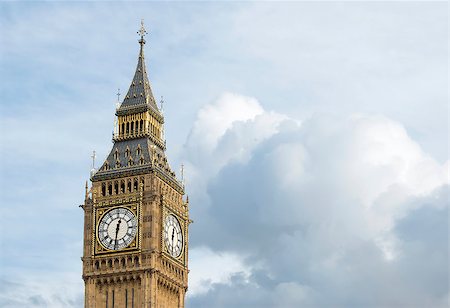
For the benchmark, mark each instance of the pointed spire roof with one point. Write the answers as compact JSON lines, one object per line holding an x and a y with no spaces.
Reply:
{"x":140,"y":93}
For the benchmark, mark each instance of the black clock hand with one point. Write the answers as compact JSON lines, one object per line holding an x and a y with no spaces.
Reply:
{"x":117,"y":232}
{"x":173,"y":235}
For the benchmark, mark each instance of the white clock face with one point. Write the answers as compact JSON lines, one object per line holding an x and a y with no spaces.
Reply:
{"x":117,"y":228}
{"x":173,"y":237}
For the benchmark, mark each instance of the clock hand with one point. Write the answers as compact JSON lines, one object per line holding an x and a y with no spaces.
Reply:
{"x":173,"y":244}
{"x":117,"y":232}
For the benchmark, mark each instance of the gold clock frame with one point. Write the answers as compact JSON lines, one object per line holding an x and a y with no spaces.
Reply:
{"x":135,"y":245}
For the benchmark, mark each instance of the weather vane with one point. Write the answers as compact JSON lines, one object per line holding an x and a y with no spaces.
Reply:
{"x":142,"y":32}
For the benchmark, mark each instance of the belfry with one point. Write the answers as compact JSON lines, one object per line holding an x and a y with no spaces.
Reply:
{"x":135,"y":245}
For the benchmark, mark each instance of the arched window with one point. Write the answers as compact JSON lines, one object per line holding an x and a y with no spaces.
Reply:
{"x":103,"y":189}
{"x":129,"y":186}
{"x":123,"y":128}
{"x":128,"y":127}
{"x":122,"y":187}
{"x":135,"y":185}
{"x":110,"y":189}
{"x":141,"y":124}
{"x":132,"y":127}
{"x":116,"y":188}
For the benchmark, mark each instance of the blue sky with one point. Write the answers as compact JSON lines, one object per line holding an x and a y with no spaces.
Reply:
{"x":315,"y":136}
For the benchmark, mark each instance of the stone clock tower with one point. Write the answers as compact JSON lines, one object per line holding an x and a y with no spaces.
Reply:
{"x":135,"y":217}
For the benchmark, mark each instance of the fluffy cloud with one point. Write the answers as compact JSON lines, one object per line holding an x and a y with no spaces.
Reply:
{"x":322,"y":208}
{"x":226,"y":130}
{"x":208,"y":267}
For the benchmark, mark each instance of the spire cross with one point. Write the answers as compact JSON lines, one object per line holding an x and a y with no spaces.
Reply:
{"x":93,"y":159}
{"x":142,"y":32}
{"x":118,"y":95}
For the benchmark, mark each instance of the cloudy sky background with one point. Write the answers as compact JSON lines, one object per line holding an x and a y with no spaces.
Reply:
{"x":314,"y":134}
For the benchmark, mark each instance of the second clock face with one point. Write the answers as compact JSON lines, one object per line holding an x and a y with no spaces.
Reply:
{"x":173,"y":237}
{"x":117,"y":228}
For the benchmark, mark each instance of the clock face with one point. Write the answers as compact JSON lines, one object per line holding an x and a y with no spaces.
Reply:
{"x":117,"y":228}
{"x":173,"y":237}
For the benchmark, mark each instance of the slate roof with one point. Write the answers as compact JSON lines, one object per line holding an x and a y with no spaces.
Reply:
{"x":140,"y":93}
{"x":135,"y":156}
{"x":129,"y":153}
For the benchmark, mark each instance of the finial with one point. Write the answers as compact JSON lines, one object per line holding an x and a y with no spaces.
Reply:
{"x":93,"y":171}
{"x":93,"y":159}
{"x":182,"y":173}
{"x":118,"y":98}
{"x":142,"y":32}
{"x":161,"y":104}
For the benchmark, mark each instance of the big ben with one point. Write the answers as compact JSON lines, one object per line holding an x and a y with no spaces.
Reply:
{"x":135,"y":215}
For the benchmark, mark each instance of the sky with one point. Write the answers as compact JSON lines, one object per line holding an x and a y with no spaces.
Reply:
{"x":314,"y":137}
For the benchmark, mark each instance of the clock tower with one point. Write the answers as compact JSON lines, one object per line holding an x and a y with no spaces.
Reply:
{"x":135,"y":245}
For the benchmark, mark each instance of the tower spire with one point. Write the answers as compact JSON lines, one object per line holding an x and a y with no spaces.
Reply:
{"x":140,"y":93}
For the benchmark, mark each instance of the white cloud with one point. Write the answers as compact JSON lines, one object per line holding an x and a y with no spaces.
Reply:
{"x":309,"y":198}
{"x":215,"y":119}
{"x":208,"y":267}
